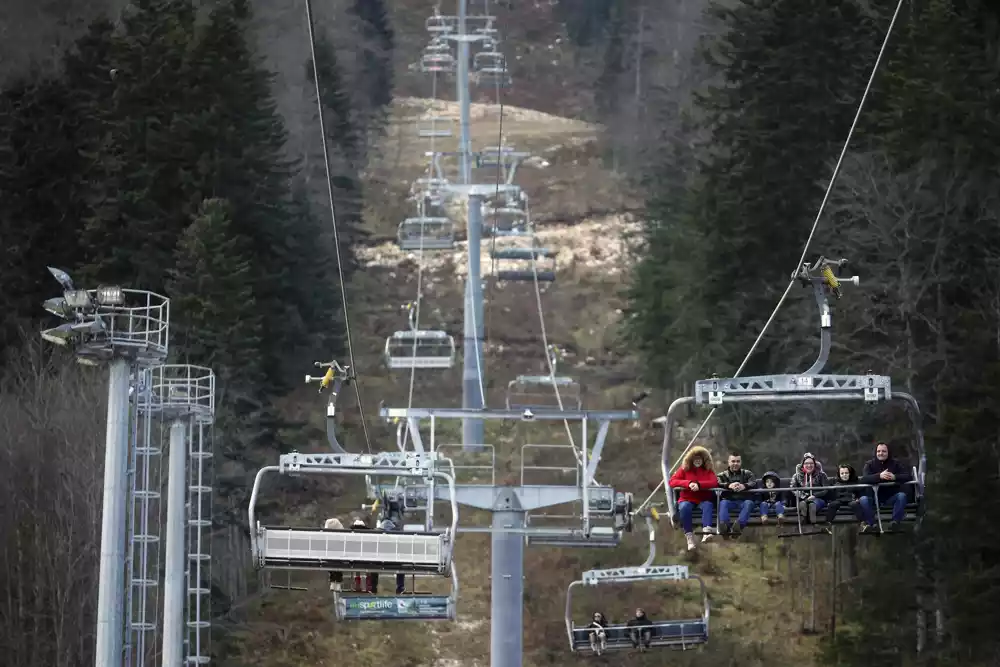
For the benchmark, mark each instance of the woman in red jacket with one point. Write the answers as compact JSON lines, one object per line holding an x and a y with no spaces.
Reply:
{"x":695,"y":478}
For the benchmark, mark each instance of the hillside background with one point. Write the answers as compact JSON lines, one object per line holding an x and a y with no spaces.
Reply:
{"x":686,"y":147}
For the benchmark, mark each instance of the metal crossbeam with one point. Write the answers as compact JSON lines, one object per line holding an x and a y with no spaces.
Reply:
{"x":792,"y":387}
{"x":401,"y":461}
{"x":629,"y":574}
{"x":535,"y":415}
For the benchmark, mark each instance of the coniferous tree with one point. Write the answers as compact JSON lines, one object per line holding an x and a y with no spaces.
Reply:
{"x":140,"y":191}
{"x":773,"y":126}
{"x":218,"y":323}
{"x":376,"y":74}
{"x":346,"y":146}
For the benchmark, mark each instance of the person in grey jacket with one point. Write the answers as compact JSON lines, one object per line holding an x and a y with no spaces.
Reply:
{"x":808,"y":482}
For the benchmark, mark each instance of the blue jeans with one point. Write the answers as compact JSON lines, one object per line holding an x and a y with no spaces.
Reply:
{"x":686,"y":510}
{"x":779,"y":508}
{"x":897,"y":499}
{"x":746,"y":506}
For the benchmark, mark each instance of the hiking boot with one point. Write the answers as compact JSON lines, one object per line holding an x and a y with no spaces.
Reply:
{"x":781,"y":519}
{"x":812,"y":513}
{"x":689,"y":538}
{"x":864,"y":528}
{"x":707,"y":536}
{"x":763,"y":519}
{"x":893,"y":526}
{"x":735,"y":529}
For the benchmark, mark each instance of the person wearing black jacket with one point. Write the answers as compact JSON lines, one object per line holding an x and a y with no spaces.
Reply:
{"x":890,"y":475}
{"x":846,"y":476}
{"x":598,"y":634}
{"x":640,"y":627}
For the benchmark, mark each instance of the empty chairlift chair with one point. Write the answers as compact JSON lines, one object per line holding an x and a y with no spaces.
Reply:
{"x":674,"y":633}
{"x":532,"y":262}
{"x":416,"y":348}
{"x":425,"y":233}
{"x":438,"y":25}
{"x":546,"y":392}
{"x":434,"y":128}
{"x":437,"y":58}
{"x":491,"y":69}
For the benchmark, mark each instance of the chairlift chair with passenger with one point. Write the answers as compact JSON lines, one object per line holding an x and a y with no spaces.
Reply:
{"x":419,"y":349}
{"x":312,"y":549}
{"x":811,"y":385}
{"x":437,"y":58}
{"x":670,"y":634}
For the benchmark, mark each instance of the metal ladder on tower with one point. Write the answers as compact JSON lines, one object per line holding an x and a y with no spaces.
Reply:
{"x":199,"y":541}
{"x":145,"y":464}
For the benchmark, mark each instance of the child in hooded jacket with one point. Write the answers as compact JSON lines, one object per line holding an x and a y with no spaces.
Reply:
{"x":696,"y":479}
{"x":769,"y":499}
{"x":840,"y":497}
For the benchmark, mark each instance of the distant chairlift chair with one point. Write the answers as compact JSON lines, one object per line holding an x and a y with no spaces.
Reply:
{"x":437,"y":58}
{"x":491,"y":69}
{"x":405,"y":350}
{"x":507,"y":220}
{"x":541,"y":264}
{"x":426,"y":233}
{"x":543,"y":391}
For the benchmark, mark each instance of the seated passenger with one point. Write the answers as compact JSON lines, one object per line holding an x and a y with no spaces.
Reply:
{"x":810,"y":478}
{"x":841,"y":497}
{"x":640,"y":627}
{"x":735,"y":479}
{"x":884,"y":470}
{"x":389,"y":526}
{"x":775,"y":499}
{"x":336,"y":578}
{"x":371,"y":579}
{"x":695,"y":478}
{"x":598,"y":636}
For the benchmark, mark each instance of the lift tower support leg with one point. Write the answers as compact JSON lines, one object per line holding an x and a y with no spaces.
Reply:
{"x":473,"y":382}
{"x":507,"y":581}
{"x":110,"y":591}
{"x":173,"y":578}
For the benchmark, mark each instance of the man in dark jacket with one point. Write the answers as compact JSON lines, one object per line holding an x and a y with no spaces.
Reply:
{"x":890,"y":475}
{"x":640,"y":627}
{"x":735,"y":479}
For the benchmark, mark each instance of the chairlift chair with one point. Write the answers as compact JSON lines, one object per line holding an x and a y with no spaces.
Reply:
{"x":606,"y":507}
{"x":426,"y":233}
{"x":535,"y":263}
{"x":811,"y":385}
{"x":416,"y":348}
{"x":489,"y":60}
{"x":503,"y":220}
{"x":438,"y":25}
{"x":672,"y":634}
{"x":426,"y":553}
{"x":442,"y":63}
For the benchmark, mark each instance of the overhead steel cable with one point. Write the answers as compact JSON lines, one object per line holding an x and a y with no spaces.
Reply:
{"x":809,"y":239}
{"x":333,"y":221}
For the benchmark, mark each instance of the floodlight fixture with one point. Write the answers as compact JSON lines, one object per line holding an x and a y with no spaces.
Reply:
{"x":62,"y":277}
{"x":60,"y":335}
{"x":77,"y":299}
{"x":110,"y":295}
{"x":58,"y":307}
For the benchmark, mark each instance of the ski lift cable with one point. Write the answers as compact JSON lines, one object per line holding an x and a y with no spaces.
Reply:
{"x":333,"y":221}
{"x":809,"y":239}
{"x":420,"y":266}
